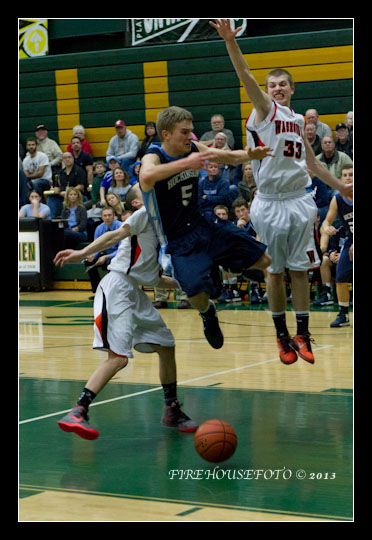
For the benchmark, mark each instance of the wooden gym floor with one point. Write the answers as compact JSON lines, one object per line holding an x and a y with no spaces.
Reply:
{"x":294,"y":460}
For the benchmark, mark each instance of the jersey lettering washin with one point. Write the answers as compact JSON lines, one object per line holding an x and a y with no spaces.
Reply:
{"x":137,"y":255}
{"x":282,"y":130}
{"x":173,"y":202}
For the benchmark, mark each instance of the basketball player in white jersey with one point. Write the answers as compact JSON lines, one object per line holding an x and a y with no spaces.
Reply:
{"x":124,"y":317}
{"x":283,"y":212}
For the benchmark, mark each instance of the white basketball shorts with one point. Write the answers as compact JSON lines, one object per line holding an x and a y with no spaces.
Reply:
{"x":124,"y":318}
{"x":285,"y":223}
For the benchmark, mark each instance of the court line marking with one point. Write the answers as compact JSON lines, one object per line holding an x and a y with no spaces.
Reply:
{"x":211,"y":375}
{"x":203,"y":505}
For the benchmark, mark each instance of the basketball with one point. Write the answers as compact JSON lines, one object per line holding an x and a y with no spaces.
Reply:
{"x":215,"y":441}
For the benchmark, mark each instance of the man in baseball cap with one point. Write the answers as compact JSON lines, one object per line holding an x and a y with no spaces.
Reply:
{"x":344,"y":142}
{"x":49,"y":147}
{"x":124,"y":145}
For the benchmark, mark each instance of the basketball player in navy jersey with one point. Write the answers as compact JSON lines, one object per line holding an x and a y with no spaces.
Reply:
{"x":283,"y":213}
{"x":169,"y":179}
{"x":343,"y":207}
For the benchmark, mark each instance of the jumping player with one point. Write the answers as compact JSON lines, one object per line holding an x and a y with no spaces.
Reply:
{"x":169,"y":181}
{"x":283,"y":213}
{"x":124,"y":317}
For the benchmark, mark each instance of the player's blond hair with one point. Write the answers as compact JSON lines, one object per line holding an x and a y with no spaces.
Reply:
{"x":169,"y":117}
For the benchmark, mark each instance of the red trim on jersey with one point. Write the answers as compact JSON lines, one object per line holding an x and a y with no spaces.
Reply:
{"x":273,"y":116}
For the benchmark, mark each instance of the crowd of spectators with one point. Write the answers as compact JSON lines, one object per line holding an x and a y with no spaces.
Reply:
{"x":74,"y":187}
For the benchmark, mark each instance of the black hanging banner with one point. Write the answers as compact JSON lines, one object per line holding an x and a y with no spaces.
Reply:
{"x":157,"y":31}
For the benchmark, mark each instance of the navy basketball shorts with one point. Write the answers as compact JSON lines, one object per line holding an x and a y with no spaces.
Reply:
{"x":344,"y":267}
{"x":213,"y":241}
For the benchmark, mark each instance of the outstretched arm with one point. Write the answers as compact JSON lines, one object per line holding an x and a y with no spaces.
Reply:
{"x":318,"y":169}
{"x":235,"y":157}
{"x":153,"y":171}
{"x":103,"y":242}
{"x":261,"y":101}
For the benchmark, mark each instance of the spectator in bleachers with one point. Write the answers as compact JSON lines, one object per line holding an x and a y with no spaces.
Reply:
{"x":322,"y":129}
{"x":241,"y":210}
{"x":134,"y":173}
{"x":99,"y":171}
{"x":349,"y":121}
{"x":76,"y":214}
{"x":71,"y":176}
{"x":79,"y":131}
{"x":113,"y":163}
{"x":214,"y":189}
{"x":332,"y":158}
{"x":84,"y":160}
{"x":247,"y":182}
{"x":344,"y":142}
{"x":226,"y":171}
{"x":49,"y":147}
{"x":117,"y":204}
{"x":151,"y":136}
{"x":218,"y":125}
{"x":313,"y":138}
{"x":124,"y":145}
{"x":102,"y":259}
{"x":120,"y":183}
{"x":35,"y":208}
{"x":36,"y":167}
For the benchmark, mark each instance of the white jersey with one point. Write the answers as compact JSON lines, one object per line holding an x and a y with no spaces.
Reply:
{"x":282,"y":130}
{"x":137,"y":255}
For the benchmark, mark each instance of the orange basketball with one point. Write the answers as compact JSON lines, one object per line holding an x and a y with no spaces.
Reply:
{"x":215,"y":441}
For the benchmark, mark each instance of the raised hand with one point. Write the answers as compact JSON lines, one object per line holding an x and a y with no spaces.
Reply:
{"x":224,"y":29}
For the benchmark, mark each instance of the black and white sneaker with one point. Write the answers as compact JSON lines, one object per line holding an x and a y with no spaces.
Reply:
{"x":211,"y":327}
{"x":342,"y":319}
{"x":174,"y":417}
{"x":325,"y":299}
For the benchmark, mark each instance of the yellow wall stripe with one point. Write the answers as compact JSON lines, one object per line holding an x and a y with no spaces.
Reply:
{"x":156,"y":88}
{"x":155,"y":69}
{"x":66,"y":76}
{"x":300,"y":57}
{"x":68,"y":110}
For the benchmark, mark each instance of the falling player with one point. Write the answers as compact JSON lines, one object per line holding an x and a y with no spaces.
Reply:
{"x":283,"y":213}
{"x":124,"y":317}
{"x":169,"y":179}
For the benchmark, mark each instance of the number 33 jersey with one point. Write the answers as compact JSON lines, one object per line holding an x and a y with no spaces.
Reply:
{"x":283,"y":131}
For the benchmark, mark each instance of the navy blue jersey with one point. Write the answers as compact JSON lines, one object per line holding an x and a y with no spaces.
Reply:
{"x":345,"y":212}
{"x":176,"y":197}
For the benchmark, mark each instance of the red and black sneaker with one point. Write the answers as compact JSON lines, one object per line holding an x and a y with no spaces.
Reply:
{"x":302,"y":344}
{"x":77,"y":422}
{"x":286,"y":353}
{"x":174,"y":417}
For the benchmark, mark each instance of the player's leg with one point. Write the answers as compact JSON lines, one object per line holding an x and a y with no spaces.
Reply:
{"x":301,"y":305}
{"x":173,"y":416}
{"x":277,"y":303}
{"x":150,"y":334}
{"x":113,"y":334}
{"x":325,"y":297}
{"x":302,"y":256}
{"x":77,"y":420}
{"x":193,"y":272}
